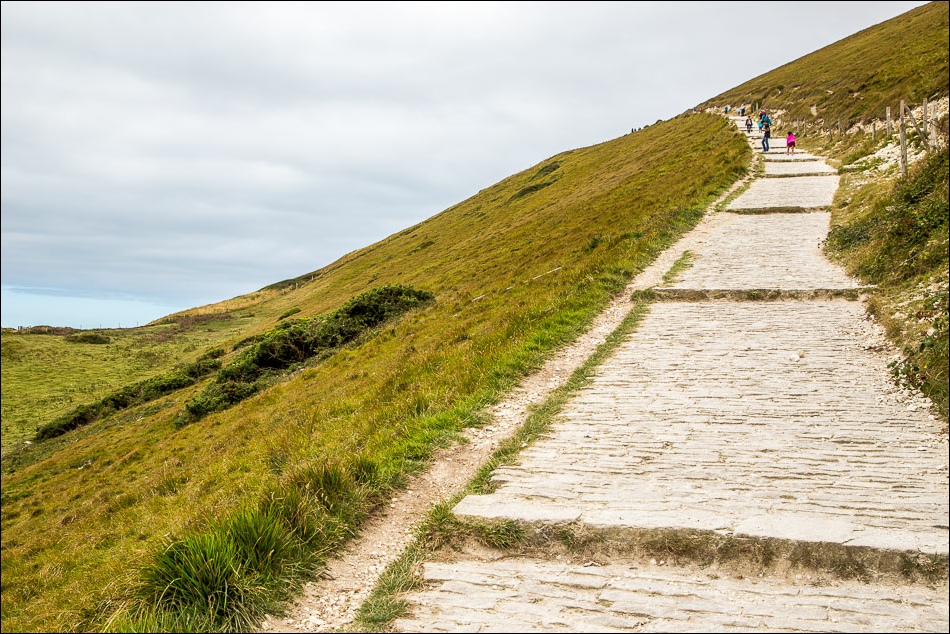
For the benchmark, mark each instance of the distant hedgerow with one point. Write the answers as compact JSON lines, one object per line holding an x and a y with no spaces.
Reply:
{"x":132,"y":395}
{"x":296,"y":341}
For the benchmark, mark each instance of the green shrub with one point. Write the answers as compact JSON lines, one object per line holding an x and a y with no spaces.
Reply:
{"x":297,"y":341}
{"x":87,"y":337}
{"x":287,"y":313}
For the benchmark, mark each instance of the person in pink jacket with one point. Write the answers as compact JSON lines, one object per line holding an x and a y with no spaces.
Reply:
{"x":790,"y":143}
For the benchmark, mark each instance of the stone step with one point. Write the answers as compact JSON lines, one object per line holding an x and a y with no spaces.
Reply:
{"x":776,"y":420}
{"x":679,"y":294}
{"x":776,"y":251}
{"x":805,"y":192}
{"x":533,"y":595}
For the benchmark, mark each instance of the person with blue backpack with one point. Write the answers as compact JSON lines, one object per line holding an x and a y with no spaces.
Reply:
{"x":765,"y":126}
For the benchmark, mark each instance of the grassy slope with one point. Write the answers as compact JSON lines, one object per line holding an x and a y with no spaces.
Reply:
{"x":857,"y":78}
{"x":517,"y":270}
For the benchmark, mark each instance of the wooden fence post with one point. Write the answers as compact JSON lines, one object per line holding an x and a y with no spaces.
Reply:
{"x":923,"y":137}
{"x":923,"y":122}
{"x":887,"y":118}
{"x":903,"y":136}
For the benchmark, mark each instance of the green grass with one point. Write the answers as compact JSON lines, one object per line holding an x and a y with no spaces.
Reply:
{"x":46,"y":376}
{"x":680,"y":266}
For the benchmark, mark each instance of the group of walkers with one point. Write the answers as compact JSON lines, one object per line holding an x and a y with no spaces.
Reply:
{"x":765,"y":127}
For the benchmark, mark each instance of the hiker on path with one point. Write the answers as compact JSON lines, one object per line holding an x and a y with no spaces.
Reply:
{"x":766,"y":134}
{"x":790,"y":143}
{"x":748,"y":125}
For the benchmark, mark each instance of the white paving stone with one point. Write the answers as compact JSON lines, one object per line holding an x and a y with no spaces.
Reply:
{"x":768,"y":419}
{"x":805,"y":192}
{"x":771,"y":251}
{"x":530,"y":595}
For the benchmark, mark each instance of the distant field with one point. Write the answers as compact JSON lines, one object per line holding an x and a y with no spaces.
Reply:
{"x":45,"y":376}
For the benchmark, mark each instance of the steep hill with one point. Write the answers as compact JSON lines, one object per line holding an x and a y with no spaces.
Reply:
{"x":857,"y":78}
{"x":144,"y":516}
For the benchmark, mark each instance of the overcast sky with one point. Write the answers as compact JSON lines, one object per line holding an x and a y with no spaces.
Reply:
{"x":162,"y":156}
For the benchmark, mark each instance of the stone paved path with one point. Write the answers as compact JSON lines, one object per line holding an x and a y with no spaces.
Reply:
{"x":765,"y":420}
{"x":541,"y":596}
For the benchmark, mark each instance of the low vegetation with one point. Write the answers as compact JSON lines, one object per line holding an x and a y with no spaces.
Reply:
{"x":291,"y":344}
{"x":132,"y":395}
{"x":47,"y":373}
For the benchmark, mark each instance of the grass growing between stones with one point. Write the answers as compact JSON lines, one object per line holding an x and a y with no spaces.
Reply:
{"x":680,"y":266}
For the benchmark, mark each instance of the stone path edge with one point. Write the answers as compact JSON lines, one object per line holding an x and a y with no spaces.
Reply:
{"x":757,"y":295}
{"x":750,"y":554}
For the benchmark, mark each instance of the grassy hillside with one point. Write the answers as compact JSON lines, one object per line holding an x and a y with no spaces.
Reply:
{"x":517,"y":270}
{"x":145,"y":519}
{"x":857,"y":78}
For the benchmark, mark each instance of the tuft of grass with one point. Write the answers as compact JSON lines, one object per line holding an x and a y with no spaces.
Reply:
{"x":682,"y":264}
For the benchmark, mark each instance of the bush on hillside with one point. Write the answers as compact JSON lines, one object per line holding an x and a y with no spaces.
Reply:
{"x":287,"y":313}
{"x":87,"y":337}
{"x":294,"y":342}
